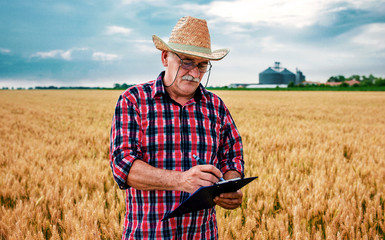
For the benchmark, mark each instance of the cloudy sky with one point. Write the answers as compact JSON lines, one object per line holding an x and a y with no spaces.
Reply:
{"x":102,"y":42}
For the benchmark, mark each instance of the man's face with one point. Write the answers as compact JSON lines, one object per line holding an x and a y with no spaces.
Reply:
{"x":190,"y":74}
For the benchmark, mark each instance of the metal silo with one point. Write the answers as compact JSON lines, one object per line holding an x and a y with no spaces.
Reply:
{"x":287,"y":76}
{"x":299,"y":77}
{"x":270,"y":76}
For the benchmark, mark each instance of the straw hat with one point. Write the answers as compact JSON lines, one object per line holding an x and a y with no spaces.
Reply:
{"x":190,"y":36}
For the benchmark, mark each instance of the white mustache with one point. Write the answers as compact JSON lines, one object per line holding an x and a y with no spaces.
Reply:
{"x":190,"y":78}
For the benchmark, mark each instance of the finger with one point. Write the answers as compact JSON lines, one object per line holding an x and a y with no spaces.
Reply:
{"x":209,"y":179}
{"x":227,"y":203}
{"x":211,"y":169}
{"x":234,"y":195}
{"x":199,"y":173}
{"x":231,"y":201}
{"x":227,"y":206}
{"x":206,"y":180}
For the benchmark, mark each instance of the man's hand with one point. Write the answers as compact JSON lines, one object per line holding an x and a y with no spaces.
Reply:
{"x":198,"y":176}
{"x":230,"y":200}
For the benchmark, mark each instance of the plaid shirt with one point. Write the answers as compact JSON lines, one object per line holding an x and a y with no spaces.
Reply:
{"x":150,"y":126}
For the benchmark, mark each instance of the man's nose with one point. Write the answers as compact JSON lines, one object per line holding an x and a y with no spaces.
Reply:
{"x":195,"y":72}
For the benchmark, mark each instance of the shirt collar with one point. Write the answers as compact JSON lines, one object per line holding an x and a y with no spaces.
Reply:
{"x":158,"y":88}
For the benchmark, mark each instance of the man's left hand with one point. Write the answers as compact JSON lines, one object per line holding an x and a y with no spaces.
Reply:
{"x":229,"y":200}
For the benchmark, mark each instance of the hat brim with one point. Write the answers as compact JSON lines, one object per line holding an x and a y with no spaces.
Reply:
{"x":190,"y":50}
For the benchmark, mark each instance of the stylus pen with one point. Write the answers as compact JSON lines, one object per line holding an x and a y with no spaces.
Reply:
{"x":201,"y":162}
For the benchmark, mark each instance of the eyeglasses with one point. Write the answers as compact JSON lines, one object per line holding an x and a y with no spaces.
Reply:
{"x":186,"y":64}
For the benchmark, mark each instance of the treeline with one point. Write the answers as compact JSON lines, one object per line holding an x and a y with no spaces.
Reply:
{"x":116,"y":86}
{"x":48,"y":88}
{"x":121,"y":86}
{"x":356,"y":82}
{"x":364,"y":80}
{"x":54,"y":87}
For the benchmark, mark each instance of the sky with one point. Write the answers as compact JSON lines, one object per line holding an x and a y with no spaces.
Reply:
{"x":98,"y":43}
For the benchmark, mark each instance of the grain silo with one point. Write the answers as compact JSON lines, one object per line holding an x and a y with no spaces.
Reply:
{"x":270,"y":76}
{"x":287,"y":76}
{"x":274,"y":76}
{"x":299,"y":78}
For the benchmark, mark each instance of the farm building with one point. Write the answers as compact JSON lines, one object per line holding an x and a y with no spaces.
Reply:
{"x":274,"y":77}
{"x":278,"y":77}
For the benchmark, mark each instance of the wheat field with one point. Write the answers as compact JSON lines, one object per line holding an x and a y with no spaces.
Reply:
{"x":320,"y":158}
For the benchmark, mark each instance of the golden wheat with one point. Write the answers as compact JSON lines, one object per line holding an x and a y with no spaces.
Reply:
{"x":320,"y":158}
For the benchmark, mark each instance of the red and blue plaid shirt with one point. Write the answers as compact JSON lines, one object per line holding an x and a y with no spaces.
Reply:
{"x":150,"y":126}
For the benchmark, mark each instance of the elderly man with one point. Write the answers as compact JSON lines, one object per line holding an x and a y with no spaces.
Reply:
{"x":157,"y":128}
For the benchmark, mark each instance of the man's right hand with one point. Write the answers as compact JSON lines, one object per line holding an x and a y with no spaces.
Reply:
{"x":198,"y":176}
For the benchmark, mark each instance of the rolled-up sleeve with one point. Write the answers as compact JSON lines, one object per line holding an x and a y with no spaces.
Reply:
{"x":230,"y":152}
{"x":124,"y":140}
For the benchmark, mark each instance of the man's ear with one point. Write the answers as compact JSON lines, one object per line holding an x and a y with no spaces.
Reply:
{"x":164,"y":58}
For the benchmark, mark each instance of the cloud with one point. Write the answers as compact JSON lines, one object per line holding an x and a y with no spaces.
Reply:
{"x":128,"y":2}
{"x":4,"y":50}
{"x":269,"y":44}
{"x":111,"y":30}
{"x":371,"y":36}
{"x":76,"y":54}
{"x":296,"y":13}
{"x":100,"y":56}
{"x":143,"y":46}
{"x":63,"y":8}
{"x":60,"y":54}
